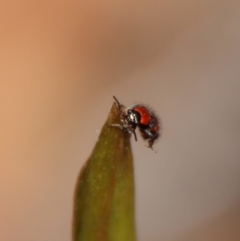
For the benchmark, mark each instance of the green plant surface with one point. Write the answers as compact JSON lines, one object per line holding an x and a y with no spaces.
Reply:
{"x":104,"y":194}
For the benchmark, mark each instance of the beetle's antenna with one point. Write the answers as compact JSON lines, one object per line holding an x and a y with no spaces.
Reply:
{"x":118,"y":103}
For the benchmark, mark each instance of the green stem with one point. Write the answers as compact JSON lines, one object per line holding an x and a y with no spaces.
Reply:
{"x":104,"y":194}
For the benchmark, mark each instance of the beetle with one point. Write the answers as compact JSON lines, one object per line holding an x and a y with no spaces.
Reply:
{"x":142,"y":117}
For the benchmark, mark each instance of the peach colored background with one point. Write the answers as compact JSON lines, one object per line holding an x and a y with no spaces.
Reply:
{"x":60,"y":64}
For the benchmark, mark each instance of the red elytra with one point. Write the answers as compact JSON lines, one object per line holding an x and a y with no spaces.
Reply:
{"x":145,"y":115}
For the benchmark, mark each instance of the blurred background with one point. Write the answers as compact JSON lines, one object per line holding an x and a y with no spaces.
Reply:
{"x":60,"y":64}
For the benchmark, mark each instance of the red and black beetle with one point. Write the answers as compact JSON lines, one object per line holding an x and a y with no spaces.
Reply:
{"x":141,"y":116}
